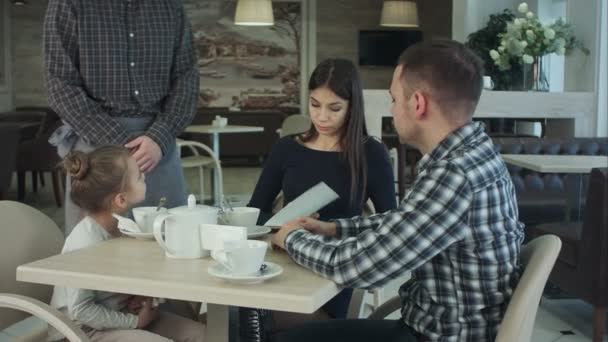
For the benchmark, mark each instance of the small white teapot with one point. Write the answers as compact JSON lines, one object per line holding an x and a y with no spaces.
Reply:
{"x":178,"y":230}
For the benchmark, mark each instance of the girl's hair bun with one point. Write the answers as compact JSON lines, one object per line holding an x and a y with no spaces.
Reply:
{"x":76,"y":165}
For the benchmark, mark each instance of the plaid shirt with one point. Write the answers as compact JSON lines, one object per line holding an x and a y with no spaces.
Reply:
{"x":120,"y":58}
{"x":457,"y":230}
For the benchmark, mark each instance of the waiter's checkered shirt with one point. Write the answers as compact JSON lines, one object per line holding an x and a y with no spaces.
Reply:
{"x":120,"y":58}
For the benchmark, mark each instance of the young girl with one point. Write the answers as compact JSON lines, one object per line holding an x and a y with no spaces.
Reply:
{"x":104,"y":182}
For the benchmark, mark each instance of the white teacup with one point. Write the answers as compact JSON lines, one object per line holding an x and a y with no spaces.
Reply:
{"x":241,"y":216}
{"x":242,"y":258}
{"x":145,"y":216}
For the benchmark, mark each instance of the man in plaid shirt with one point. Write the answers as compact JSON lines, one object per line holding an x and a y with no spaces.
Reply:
{"x":457,"y":228}
{"x":123,"y":72}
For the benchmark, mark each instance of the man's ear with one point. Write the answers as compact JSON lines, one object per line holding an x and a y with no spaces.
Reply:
{"x":421,"y":103}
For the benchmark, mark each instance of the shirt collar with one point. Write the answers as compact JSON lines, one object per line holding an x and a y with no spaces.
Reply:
{"x":460,"y":137}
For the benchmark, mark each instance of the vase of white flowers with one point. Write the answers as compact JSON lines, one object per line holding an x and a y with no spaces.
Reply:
{"x":527,"y":40}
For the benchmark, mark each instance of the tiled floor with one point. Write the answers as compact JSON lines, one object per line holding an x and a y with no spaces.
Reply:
{"x":565,"y":320}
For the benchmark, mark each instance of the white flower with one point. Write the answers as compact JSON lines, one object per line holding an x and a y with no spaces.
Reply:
{"x":549,"y":33}
{"x":529,"y":15}
{"x":527,"y":59}
{"x":501,"y":49}
{"x":494,"y":54}
{"x":517,"y":22}
{"x":561,"y":51}
{"x":503,"y":43}
{"x":523,"y":44}
{"x":523,"y":7}
{"x":561,"y":42}
{"x":530,"y":35}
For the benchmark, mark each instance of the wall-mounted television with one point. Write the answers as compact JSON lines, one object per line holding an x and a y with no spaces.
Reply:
{"x":382,"y":48}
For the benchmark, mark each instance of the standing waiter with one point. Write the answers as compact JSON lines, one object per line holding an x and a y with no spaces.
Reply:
{"x":123,"y":72}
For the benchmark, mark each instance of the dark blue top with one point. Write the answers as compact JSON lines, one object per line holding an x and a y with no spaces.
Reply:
{"x":295,"y":168}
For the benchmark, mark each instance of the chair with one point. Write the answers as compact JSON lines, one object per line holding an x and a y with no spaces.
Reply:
{"x":538,"y":258}
{"x":294,"y":124}
{"x":201,"y":162}
{"x":581,"y":268}
{"x":49,"y":123}
{"x":9,"y":140}
{"x":34,"y":236}
{"x":35,"y":154}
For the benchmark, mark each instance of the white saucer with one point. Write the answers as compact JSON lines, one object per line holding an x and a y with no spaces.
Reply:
{"x":257,"y":231}
{"x":272,"y":270}
{"x":139,"y":236}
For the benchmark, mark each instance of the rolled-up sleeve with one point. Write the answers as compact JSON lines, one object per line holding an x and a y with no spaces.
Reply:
{"x":375,"y":250}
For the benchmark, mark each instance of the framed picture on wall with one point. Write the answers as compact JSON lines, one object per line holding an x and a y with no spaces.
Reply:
{"x":248,"y":67}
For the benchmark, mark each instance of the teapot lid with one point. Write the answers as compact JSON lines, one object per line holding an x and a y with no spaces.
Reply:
{"x":192,"y":207}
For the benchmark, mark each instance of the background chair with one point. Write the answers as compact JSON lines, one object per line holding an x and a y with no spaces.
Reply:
{"x":538,"y":258}
{"x":39,"y":157}
{"x":9,"y":140}
{"x":34,"y":236}
{"x":582,"y":266}
{"x":201,"y":162}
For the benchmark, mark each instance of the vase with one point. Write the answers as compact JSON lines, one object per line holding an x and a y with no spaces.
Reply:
{"x":534,"y":76}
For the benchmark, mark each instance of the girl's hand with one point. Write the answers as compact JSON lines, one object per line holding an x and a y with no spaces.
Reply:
{"x":136,"y":303}
{"x":147,"y":314}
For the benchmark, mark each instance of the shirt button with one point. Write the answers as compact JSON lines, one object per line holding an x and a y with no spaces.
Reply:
{"x":131,"y":35}
{"x":136,"y":92}
{"x":132,"y":64}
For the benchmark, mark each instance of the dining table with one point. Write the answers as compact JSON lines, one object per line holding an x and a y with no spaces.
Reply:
{"x":575,"y":166}
{"x":27,"y":130}
{"x":140,"y":267}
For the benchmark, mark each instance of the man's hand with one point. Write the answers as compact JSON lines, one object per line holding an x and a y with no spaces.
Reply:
{"x":279,"y":238}
{"x":147,"y":153}
{"x":314,"y":226}
{"x":147,"y":314}
{"x":308,"y":223}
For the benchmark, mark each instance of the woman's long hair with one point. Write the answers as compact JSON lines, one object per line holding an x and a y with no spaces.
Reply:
{"x":341,"y":77}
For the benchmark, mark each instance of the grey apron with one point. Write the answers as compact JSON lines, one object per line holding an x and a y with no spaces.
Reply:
{"x":167,"y":178}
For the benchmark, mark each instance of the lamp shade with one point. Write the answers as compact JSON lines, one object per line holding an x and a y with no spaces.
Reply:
{"x":399,"y":14}
{"x":254,"y":13}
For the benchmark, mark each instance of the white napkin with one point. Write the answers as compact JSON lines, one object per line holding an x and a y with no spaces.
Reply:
{"x":307,"y":203}
{"x":127,"y":225}
{"x":214,"y":236}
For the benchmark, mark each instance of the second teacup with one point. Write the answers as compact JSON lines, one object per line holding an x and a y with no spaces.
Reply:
{"x":242,"y":258}
{"x":241,"y":216}
{"x":144,"y":217}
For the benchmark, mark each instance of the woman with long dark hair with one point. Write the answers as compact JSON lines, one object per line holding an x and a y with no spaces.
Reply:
{"x":336,"y":150}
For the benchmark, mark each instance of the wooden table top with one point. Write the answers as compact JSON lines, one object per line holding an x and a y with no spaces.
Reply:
{"x":556,"y":163}
{"x":126,"y":265}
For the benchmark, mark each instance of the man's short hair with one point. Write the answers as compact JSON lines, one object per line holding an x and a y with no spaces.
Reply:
{"x":451,"y":72}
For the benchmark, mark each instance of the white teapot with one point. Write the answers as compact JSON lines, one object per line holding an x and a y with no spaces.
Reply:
{"x":178,"y":230}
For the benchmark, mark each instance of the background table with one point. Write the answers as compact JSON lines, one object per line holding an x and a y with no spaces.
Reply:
{"x":215,"y":132}
{"x":574,"y":165}
{"x":126,"y":265}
